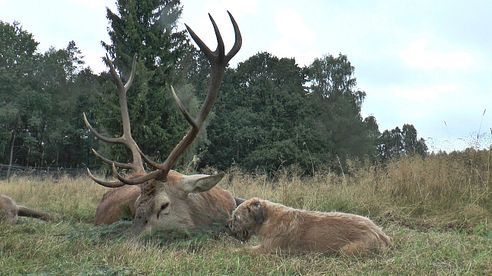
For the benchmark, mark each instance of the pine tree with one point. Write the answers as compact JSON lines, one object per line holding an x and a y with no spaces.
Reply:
{"x":147,"y":28}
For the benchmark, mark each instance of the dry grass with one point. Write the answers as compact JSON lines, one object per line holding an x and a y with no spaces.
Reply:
{"x":445,"y":191}
{"x":72,"y":198}
{"x":438,"y":211}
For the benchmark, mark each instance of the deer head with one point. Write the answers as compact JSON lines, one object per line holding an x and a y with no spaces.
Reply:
{"x":168,"y":199}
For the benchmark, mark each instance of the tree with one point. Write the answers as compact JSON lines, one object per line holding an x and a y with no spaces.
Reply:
{"x":38,"y":95}
{"x":395,"y":143}
{"x":147,"y":28}
{"x":411,"y":144}
{"x":50,"y":105}
{"x":390,"y":144}
{"x":340,"y":132}
{"x":17,"y":58}
{"x":259,"y":116}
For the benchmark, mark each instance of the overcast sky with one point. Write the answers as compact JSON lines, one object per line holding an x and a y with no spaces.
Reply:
{"x":428,"y":63}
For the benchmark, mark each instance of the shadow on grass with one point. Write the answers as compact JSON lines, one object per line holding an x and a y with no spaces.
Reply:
{"x":115,"y":232}
{"x":191,"y":240}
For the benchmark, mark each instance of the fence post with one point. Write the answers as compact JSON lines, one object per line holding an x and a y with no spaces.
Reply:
{"x":11,"y":156}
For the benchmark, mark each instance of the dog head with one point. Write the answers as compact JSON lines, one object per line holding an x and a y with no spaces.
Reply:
{"x":246,"y":218}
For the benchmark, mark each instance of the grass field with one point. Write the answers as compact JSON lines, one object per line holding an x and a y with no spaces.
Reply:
{"x":437,"y":210}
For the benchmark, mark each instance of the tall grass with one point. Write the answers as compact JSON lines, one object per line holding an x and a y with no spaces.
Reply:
{"x":444,"y":190}
{"x":437,"y":210}
{"x":440,"y":190}
{"x":73,"y":199}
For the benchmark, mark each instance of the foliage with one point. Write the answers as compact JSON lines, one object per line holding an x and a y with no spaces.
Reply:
{"x":340,"y":132}
{"x":40,"y":94}
{"x":17,"y":55}
{"x":148,"y":29}
{"x":395,"y":143}
{"x":259,"y":116}
{"x":271,"y":113}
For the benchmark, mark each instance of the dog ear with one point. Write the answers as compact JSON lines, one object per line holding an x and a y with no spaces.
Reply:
{"x":258,"y":212}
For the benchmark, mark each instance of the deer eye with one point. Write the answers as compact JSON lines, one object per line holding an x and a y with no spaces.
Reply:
{"x":163,"y":207}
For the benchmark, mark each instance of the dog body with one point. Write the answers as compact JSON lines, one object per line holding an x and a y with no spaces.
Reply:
{"x":284,"y":229}
{"x":10,"y":211}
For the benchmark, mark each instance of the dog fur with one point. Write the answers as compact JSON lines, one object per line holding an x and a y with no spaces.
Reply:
{"x":288,"y":230}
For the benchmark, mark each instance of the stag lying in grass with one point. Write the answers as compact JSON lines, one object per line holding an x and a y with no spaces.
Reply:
{"x":10,"y":211}
{"x":165,"y":199}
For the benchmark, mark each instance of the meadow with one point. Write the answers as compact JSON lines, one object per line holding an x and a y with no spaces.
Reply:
{"x":438,"y":211}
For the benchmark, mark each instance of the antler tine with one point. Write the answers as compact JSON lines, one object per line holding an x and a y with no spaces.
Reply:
{"x":219,"y":55}
{"x":136,"y":180}
{"x":203,"y":47}
{"x":126,"y":138}
{"x":218,"y":60}
{"x":182,"y":108}
{"x":220,"y":43}
{"x":149,"y":161}
{"x":114,"y":75}
{"x":238,"y":40}
{"x":132,"y":73}
{"x":107,"y":161}
{"x":100,"y":136}
{"x":109,"y":184}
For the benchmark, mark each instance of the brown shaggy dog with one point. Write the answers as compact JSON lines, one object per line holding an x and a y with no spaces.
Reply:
{"x":288,"y":230}
{"x":10,"y":211}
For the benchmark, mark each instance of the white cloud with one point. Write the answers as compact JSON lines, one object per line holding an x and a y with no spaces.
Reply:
{"x":426,"y":94}
{"x":426,"y":55}
{"x":197,"y":12}
{"x":238,"y":7}
{"x":292,"y":26}
{"x":93,"y":58}
{"x":296,"y":37}
{"x":94,"y":5}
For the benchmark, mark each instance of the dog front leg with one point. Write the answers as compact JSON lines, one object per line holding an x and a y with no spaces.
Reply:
{"x":252,"y":250}
{"x":257,"y":250}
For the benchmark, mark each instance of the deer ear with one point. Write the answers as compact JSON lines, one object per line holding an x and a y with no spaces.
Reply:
{"x":199,"y":182}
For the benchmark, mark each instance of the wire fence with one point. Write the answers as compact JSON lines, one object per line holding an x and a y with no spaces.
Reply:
{"x":54,"y":172}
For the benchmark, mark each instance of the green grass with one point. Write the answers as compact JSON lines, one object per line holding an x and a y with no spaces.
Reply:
{"x":80,"y":248}
{"x":439,"y":226}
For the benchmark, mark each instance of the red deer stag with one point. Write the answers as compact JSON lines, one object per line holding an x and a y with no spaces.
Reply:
{"x":165,"y":199}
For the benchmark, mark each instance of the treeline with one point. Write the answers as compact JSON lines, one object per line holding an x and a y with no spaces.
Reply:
{"x":271,"y":113}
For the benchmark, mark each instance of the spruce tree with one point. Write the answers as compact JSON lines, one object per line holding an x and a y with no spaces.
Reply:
{"x":148,"y":29}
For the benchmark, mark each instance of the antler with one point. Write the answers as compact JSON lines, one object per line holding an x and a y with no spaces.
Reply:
{"x":126,"y":138}
{"x":218,"y":61}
